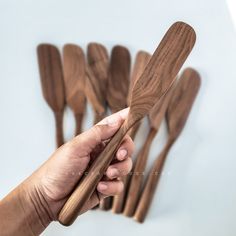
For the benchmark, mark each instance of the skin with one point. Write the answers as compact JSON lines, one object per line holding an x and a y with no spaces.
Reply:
{"x":36,"y":202}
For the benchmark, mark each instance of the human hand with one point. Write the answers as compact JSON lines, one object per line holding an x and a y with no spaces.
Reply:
{"x":54,"y":181}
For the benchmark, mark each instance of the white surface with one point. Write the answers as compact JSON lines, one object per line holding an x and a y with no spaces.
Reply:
{"x":197,"y":194}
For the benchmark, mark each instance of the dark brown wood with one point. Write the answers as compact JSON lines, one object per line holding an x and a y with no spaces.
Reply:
{"x":141,"y":60}
{"x":91,"y":91}
{"x":155,"y":81}
{"x":51,"y":75}
{"x":74,"y":79}
{"x":97,"y":79}
{"x":156,"y":116}
{"x":117,"y":92}
{"x":118,"y":80}
{"x":178,"y":110}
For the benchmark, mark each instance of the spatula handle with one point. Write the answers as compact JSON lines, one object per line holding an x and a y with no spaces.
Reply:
{"x":59,"y":128}
{"x":105,"y":204}
{"x":150,"y":186}
{"x":89,"y":182}
{"x":134,"y":130}
{"x":119,"y":200}
{"x":78,"y":123}
{"x":137,"y":175}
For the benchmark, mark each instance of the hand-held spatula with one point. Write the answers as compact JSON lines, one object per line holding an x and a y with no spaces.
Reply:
{"x":155,"y":81}
{"x":51,"y":75}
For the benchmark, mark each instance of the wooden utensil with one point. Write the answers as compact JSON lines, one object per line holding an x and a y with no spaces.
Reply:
{"x":155,"y":118}
{"x":177,"y":114}
{"x":118,"y":80}
{"x":51,"y":75}
{"x":117,"y":92}
{"x":97,"y":79}
{"x":141,"y":61}
{"x":154,"y":82}
{"x":74,"y":79}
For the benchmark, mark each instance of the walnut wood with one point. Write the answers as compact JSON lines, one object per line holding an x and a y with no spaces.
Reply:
{"x":118,"y":87}
{"x":92,"y":91}
{"x":98,"y":62}
{"x":74,"y":79}
{"x":50,"y":68}
{"x":137,"y":175}
{"x":153,"y":84}
{"x":141,"y":60}
{"x":140,"y":63}
{"x":97,"y":78}
{"x":179,"y":108}
{"x":156,"y":116}
{"x":118,"y":79}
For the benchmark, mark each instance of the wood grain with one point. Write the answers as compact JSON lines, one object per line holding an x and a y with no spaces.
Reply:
{"x":117,"y":92}
{"x":74,"y":79}
{"x":97,"y":79}
{"x":119,"y":77}
{"x":50,"y":68}
{"x":141,"y":60}
{"x":156,"y":116}
{"x":155,"y":81}
{"x":178,"y":110}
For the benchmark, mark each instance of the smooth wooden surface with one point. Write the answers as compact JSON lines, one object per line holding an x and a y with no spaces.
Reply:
{"x":156,"y":116}
{"x":74,"y":79}
{"x":97,"y":78}
{"x":137,"y":175}
{"x":178,"y":110}
{"x":141,"y":60}
{"x":155,"y":81}
{"x":118,"y":87}
{"x":50,"y":68}
{"x":119,"y":78}
{"x":140,"y":63}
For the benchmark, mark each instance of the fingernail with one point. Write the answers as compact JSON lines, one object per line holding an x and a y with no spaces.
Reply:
{"x":122,"y":154}
{"x":113,"y":172}
{"x":102,"y":186}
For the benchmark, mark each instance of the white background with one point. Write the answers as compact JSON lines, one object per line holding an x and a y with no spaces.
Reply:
{"x":197,"y":196}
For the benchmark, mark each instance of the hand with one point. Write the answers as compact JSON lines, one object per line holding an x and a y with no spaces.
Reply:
{"x":47,"y":189}
{"x":60,"y":174}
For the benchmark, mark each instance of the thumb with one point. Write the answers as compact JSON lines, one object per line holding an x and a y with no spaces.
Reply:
{"x":103,"y":130}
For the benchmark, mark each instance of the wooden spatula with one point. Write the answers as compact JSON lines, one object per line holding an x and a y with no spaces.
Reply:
{"x":155,"y":117}
{"x":155,"y":81}
{"x":51,"y":74}
{"x":141,"y":60}
{"x":119,"y":78}
{"x":117,"y":92}
{"x":177,"y":114}
{"x":97,"y":79}
{"x":74,"y":79}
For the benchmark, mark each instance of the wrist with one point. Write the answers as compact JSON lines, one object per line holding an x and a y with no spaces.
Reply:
{"x":24,"y":212}
{"x":35,"y":207}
